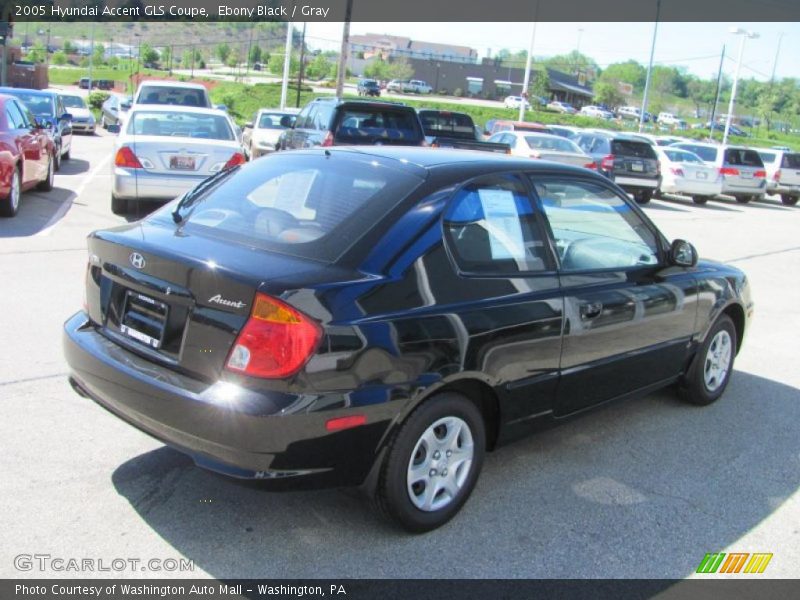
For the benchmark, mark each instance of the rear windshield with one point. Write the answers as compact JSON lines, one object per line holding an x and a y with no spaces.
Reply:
{"x":447,"y":124}
{"x":557,"y":144}
{"x":369,"y":83}
{"x":308,"y":205}
{"x":707,"y":154}
{"x":682,"y":156}
{"x":529,"y":127}
{"x":370,"y":124}
{"x":179,"y":96}
{"x":631,"y":148}
{"x":275,"y":121}
{"x":73,"y":102}
{"x":791,"y":161}
{"x":180,"y":124}
{"x":40,"y":105}
{"x":741,"y":157}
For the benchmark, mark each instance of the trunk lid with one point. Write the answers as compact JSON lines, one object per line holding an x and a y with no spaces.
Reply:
{"x":178,"y":299}
{"x":180,"y":156}
{"x":566,"y":158}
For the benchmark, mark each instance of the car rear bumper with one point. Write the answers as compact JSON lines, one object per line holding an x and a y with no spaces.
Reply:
{"x":735,"y":188}
{"x":224,"y":427}
{"x":782,"y":188}
{"x":692,"y":187}
{"x":83,"y":127}
{"x":138,"y":184}
{"x":636,"y":182}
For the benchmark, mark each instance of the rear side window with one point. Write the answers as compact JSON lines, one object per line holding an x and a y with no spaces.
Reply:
{"x":791,"y":161}
{"x":631,"y":148}
{"x":172,"y":95}
{"x":368,"y":124}
{"x":742,"y":157}
{"x":490,"y":227}
{"x":306,"y":205}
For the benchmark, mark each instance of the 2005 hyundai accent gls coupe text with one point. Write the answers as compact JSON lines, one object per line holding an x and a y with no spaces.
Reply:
{"x":383,"y":317}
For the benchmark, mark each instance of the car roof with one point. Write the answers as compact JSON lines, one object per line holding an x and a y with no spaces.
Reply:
{"x":10,"y":91}
{"x":283,"y":111}
{"x":138,"y":108}
{"x":171,"y":83}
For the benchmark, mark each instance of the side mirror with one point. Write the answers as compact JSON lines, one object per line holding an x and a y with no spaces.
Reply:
{"x":113,"y":128}
{"x":66,"y":117}
{"x":682,"y":254}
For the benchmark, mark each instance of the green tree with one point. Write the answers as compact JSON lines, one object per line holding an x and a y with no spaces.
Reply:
{"x":276,"y":64}
{"x":571,"y":62}
{"x":233,"y":59}
{"x":255,"y":55}
{"x":606,"y":92}
{"x":59,"y":58}
{"x":37,"y":53}
{"x":319,"y":68}
{"x":540,"y":85}
{"x":166,"y":56}
{"x":223,"y":51}
{"x":69,"y":48}
{"x":99,"y":54}
{"x":625,"y":72}
{"x":148,"y":54}
{"x":377,"y":69}
{"x":399,"y":68}
{"x":701,"y":92}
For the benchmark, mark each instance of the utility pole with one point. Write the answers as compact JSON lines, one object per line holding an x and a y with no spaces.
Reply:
{"x":249,"y":50}
{"x":302,"y":64}
{"x":716,"y":96}
{"x":649,"y":68}
{"x":527,"y":79}
{"x":287,"y":60}
{"x":91,"y":54}
{"x":342,"y":71}
{"x":775,"y":62}
{"x":732,"y":103}
{"x":192,"y":75}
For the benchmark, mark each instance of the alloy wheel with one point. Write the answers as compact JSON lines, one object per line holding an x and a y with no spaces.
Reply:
{"x":14,"y":193}
{"x":717,"y":361}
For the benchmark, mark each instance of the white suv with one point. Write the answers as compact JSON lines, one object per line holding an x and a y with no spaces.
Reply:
{"x":176,"y":93}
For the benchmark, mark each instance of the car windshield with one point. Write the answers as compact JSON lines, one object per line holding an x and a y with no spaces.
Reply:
{"x":557,"y":144}
{"x":451,"y":124}
{"x":180,"y":124}
{"x":632,"y":148}
{"x":180,"y":96}
{"x":682,"y":156}
{"x":73,"y":102}
{"x":40,"y":105}
{"x":275,"y":121}
{"x":309,"y":205}
{"x":357,"y":125}
{"x":791,"y":161}
{"x":742,"y":157}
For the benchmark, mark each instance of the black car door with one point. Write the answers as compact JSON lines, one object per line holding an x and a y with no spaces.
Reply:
{"x":629,"y":316}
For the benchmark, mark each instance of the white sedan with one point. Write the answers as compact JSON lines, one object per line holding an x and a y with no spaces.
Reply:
{"x":562,"y":107}
{"x":515,"y":102}
{"x":685,"y":173}
{"x":544,"y":146}
{"x":596,"y":112}
{"x":165,"y":151}
{"x":260,"y":136}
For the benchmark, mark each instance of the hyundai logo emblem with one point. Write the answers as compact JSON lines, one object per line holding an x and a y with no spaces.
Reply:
{"x":137,"y":260}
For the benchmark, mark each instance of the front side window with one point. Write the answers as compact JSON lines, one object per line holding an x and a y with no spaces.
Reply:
{"x":491,"y":228}
{"x":14,"y":116}
{"x":594,"y":228}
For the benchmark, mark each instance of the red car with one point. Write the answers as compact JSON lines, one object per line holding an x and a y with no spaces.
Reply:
{"x":26,"y":155}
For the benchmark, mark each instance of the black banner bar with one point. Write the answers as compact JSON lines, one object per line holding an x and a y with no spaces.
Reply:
{"x":404,"y":11}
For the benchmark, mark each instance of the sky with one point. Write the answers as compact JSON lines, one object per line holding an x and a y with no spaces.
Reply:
{"x":696,"y":46}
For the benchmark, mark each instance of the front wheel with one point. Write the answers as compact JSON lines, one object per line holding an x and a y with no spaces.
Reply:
{"x":10,"y":205}
{"x":789,"y":200}
{"x":699,"y":199}
{"x":643,"y":197}
{"x":432,"y":463}
{"x":57,"y":158}
{"x":47,"y":184}
{"x":744,"y":199}
{"x":708,"y":376}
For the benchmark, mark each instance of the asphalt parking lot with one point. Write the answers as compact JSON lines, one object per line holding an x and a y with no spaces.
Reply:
{"x":638,"y":489}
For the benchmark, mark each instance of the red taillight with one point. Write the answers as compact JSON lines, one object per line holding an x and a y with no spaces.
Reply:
{"x":777,"y":175}
{"x":728,"y":171}
{"x":327,"y":140}
{"x":676,"y":171}
{"x":340,"y":423}
{"x":607,"y":164}
{"x":760,"y":174}
{"x":591,"y":165}
{"x":237,"y":159}
{"x":276,"y":341}
{"x":127,"y":159}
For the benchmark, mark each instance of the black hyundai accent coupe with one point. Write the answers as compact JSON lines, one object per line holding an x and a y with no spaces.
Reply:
{"x":384,"y":316}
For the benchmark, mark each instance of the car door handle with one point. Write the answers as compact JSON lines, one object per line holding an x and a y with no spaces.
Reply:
{"x":590,"y":310}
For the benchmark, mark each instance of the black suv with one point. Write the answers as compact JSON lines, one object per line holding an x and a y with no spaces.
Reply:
{"x":630,"y":162}
{"x":369,"y":87}
{"x":335,"y":122}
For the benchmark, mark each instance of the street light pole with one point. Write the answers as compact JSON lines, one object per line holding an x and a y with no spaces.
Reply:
{"x":527,"y":79}
{"x":287,"y":60}
{"x":745,"y":34}
{"x":649,"y":68}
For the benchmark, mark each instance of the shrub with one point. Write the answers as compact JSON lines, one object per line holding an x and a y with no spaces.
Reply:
{"x":96,"y":99}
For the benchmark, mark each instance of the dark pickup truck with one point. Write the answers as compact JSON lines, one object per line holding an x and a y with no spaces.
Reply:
{"x":447,"y":129}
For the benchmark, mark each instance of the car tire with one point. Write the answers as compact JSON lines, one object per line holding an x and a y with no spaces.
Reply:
{"x":57,"y":157}
{"x":699,"y":199}
{"x":47,"y":184}
{"x":789,"y":200}
{"x":103,"y":122}
{"x":744,"y":199}
{"x":643,"y":197}
{"x":444,"y":426}
{"x":711,"y":368}
{"x":10,"y":205}
{"x":119,"y":206}
{"x":67,"y":154}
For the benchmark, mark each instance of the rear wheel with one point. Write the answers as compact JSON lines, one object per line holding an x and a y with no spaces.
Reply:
{"x":699,"y":199}
{"x":789,"y":200}
{"x":10,"y":205}
{"x":643,"y":197}
{"x":47,"y":184}
{"x":67,"y":154}
{"x":119,"y":206}
{"x":57,"y":158}
{"x":432,"y":463}
{"x":707,"y":378}
{"x":744,"y":199}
